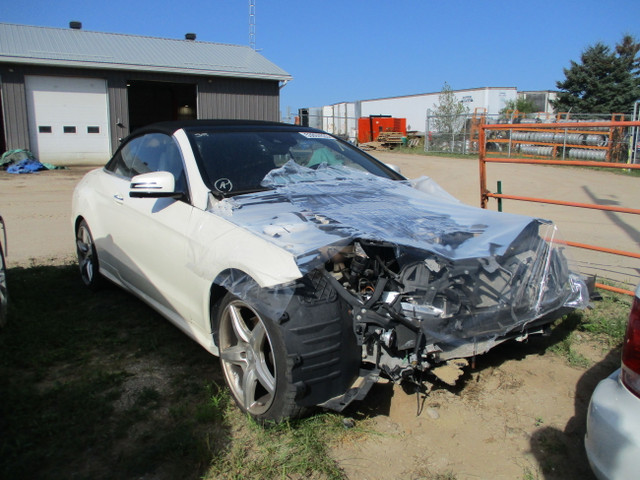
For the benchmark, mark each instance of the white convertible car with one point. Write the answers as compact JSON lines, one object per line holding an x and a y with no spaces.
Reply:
{"x":310,"y":268}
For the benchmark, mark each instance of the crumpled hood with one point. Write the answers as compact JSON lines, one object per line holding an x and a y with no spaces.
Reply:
{"x":306,"y":210}
{"x":468,"y":277}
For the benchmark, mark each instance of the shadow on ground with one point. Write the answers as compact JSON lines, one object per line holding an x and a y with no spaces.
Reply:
{"x":561,"y":453}
{"x":97,"y":385}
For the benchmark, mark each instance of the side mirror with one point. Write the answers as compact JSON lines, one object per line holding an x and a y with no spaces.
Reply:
{"x":154,"y":185}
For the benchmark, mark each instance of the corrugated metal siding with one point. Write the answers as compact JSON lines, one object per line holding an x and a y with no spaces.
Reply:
{"x":14,"y":106}
{"x":238,"y":99}
{"x":118,"y":108}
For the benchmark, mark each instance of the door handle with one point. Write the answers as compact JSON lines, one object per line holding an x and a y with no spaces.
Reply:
{"x":118,"y":198}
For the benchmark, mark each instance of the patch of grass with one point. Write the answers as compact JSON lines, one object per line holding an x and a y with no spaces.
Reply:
{"x":605,"y":323}
{"x":97,"y":386}
{"x":148,"y":396}
{"x":296,"y":448}
{"x":528,"y":474}
{"x":215,"y":407}
{"x":609,"y":318}
{"x":563,"y":337}
{"x":445,"y":476}
{"x":566,"y":349}
{"x":424,"y":473}
{"x":44,"y":427}
{"x":76,"y":402}
{"x":552,"y":448}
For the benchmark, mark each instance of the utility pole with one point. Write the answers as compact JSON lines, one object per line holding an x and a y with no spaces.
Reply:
{"x":252,"y":24}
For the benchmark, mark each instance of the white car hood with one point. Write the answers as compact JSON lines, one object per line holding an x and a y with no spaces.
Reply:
{"x":307,"y":209}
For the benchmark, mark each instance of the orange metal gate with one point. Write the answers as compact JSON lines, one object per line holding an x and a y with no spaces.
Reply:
{"x":548,"y":144}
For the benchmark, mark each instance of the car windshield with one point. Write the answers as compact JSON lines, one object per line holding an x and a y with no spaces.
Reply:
{"x":236,"y":162}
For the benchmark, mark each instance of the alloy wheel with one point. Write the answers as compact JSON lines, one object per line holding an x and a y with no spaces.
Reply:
{"x":86,"y":254}
{"x":247,"y":357}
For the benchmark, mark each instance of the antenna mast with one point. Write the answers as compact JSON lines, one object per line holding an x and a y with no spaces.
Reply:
{"x":252,"y":24}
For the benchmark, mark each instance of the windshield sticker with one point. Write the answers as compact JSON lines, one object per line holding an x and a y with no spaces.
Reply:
{"x":323,"y":136}
{"x":223,"y":185}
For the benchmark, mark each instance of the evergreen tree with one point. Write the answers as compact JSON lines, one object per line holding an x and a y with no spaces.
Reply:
{"x":603,"y":82}
{"x":627,"y":50}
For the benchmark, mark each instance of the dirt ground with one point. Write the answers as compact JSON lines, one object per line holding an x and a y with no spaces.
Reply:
{"x":519,"y":414}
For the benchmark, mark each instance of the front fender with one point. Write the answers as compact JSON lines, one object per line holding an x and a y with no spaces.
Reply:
{"x":218,"y":245}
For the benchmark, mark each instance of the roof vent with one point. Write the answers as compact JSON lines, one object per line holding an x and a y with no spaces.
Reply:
{"x":190,"y":36}
{"x":75,"y":25}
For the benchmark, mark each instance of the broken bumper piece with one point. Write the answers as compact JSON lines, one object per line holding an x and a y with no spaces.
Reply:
{"x":358,"y":391}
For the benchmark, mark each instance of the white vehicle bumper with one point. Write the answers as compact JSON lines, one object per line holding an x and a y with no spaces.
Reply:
{"x":612,"y":440}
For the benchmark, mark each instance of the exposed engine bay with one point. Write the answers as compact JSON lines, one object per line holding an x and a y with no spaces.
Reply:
{"x":412,"y":311}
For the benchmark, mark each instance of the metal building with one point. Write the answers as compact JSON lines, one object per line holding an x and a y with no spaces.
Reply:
{"x":70,"y":95}
{"x":341,"y":118}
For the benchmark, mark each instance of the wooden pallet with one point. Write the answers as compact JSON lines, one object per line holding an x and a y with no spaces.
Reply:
{"x":390,"y":137}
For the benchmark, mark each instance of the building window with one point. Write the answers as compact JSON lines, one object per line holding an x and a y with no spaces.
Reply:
{"x":93,"y":129}
{"x":44,"y":129}
{"x":69,"y":129}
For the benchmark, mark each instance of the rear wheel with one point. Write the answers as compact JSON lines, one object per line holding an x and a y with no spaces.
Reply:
{"x":255,"y":362}
{"x":87,"y":256}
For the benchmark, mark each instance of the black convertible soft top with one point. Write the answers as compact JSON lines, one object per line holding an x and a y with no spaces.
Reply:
{"x":172,"y":126}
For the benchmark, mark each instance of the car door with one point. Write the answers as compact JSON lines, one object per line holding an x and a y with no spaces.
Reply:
{"x":149,"y":234}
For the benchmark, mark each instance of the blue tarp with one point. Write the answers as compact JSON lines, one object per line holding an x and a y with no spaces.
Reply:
{"x":23,"y":161}
{"x":26,"y":166}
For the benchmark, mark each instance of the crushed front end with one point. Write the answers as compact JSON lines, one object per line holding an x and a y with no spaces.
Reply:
{"x":424,"y":281}
{"x":414,"y":310}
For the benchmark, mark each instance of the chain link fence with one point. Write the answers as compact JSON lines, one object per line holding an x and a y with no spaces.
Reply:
{"x":454,"y":133}
{"x":460,"y":134}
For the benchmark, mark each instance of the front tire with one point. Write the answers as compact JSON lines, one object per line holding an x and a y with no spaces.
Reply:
{"x":87,"y":257}
{"x":255,"y":362}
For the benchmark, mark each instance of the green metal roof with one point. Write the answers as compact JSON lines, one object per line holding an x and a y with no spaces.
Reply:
{"x":66,"y":47}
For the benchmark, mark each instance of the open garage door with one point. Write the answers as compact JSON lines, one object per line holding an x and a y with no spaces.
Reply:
{"x":151,"y":102}
{"x":68,"y":119}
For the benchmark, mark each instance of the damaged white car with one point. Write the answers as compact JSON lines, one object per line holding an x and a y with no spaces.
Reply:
{"x":308,"y":266}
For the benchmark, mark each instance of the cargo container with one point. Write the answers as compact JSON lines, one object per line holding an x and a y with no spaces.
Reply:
{"x":369,"y":128}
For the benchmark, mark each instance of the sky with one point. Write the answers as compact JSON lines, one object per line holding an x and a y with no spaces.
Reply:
{"x":348,"y":50}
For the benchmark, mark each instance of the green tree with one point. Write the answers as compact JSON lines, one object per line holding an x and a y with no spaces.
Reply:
{"x":448,"y":113}
{"x":604,"y":81}
{"x":627,"y":50}
{"x":521,"y":104}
